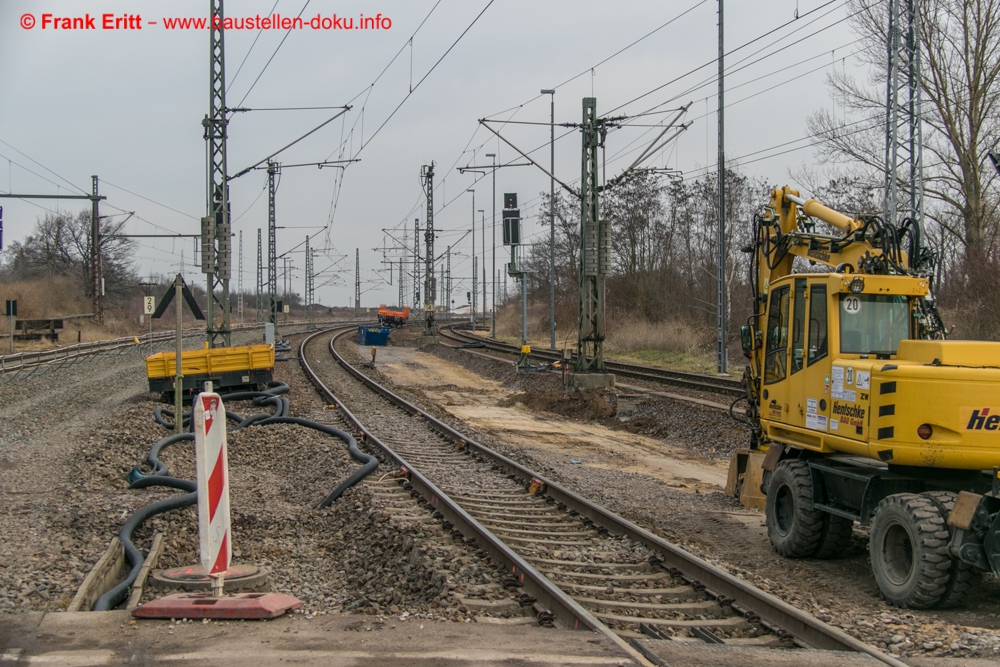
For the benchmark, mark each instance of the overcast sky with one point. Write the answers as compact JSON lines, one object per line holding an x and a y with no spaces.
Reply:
{"x":127,"y":106}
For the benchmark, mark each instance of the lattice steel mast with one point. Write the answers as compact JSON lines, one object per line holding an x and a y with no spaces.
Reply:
{"x":310,"y":284}
{"x":239,"y":282}
{"x":272,"y":248}
{"x":416,"y":263}
{"x":259,"y":305}
{"x":96,"y":270}
{"x":357,"y":281}
{"x":721,"y":307}
{"x":594,"y":242}
{"x":215,"y":227}
{"x":904,"y":187}
{"x":427,"y":173}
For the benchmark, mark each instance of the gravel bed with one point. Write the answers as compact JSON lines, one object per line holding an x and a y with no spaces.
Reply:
{"x":69,"y":437}
{"x":62,"y":496}
{"x":715,"y":527}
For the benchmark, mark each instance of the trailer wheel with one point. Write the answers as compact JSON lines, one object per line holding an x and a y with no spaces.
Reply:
{"x":908,"y":549}
{"x":835,"y":537}
{"x":963,"y":577}
{"x":793,"y":524}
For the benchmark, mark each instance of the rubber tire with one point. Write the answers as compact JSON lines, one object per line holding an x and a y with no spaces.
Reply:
{"x":794,"y":526}
{"x":963,"y":577}
{"x":908,"y":550}
{"x":835,"y":538}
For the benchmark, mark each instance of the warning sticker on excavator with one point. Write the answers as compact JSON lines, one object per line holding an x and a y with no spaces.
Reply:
{"x":837,"y":391}
{"x":862,"y":380}
{"x":813,"y":420}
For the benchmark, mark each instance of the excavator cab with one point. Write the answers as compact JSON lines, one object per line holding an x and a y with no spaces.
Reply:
{"x":861,"y":412}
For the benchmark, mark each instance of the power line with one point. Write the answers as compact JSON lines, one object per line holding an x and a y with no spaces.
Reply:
{"x":268,"y":63}
{"x":613,"y":55}
{"x":247,"y":55}
{"x":72,"y":185}
{"x":152,"y":201}
{"x":623,"y":151}
{"x":35,"y":173}
{"x":715,"y":60}
{"x":424,"y":77}
{"x":709,"y":168}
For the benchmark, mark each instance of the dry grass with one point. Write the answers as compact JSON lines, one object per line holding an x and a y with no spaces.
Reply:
{"x":677,"y":345}
{"x":60,"y":297}
{"x":46,"y":298}
{"x":638,"y":335}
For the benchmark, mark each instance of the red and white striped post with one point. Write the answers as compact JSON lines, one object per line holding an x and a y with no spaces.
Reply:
{"x":213,"y":486}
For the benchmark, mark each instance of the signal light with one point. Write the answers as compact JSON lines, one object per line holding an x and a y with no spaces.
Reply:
{"x":925,"y":431}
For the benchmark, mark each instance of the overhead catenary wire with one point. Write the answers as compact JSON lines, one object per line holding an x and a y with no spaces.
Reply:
{"x":736,"y":49}
{"x":715,"y":60}
{"x":247,"y":54}
{"x":269,"y":60}
{"x":68,"y":182}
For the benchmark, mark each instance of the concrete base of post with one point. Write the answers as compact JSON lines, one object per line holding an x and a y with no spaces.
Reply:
{"x":426,"y":340}
{"x":581,"y":381}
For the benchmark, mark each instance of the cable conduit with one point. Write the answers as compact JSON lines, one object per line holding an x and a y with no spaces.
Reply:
{"x":160,"y":475}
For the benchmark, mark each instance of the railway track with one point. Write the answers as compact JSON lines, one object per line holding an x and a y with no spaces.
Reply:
{"x":15,"y":365}
{"x":575,"y":563}
{"x":708,"y":383}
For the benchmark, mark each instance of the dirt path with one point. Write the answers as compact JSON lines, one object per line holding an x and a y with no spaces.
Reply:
{"x":477,"y":401}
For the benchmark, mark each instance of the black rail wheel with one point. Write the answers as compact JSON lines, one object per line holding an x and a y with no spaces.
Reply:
{"x":962,"y":577}
{"x":793,"y":524}
{"x":835,"y":537}
{"x":908,"y":549}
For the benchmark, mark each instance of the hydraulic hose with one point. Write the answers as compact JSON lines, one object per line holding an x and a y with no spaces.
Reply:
{"x":160,"y":476}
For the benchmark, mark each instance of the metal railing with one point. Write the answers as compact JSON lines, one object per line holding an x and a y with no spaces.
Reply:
{"x":23,"y":365}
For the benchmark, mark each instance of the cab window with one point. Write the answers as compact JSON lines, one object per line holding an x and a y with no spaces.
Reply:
{"x":777,"y":337}
{"x":873,"y":323}
{"x":798,"y":325}
{"x":817,"y":323}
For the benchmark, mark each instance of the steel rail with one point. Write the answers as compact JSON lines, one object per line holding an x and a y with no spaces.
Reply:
{"x":698,"y":381}
{"x":24,"y":360}
{"x":775,"y":614}
{"x":549,"y":598}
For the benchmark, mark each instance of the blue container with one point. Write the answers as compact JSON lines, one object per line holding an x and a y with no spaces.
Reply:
{"x":373,"y":335}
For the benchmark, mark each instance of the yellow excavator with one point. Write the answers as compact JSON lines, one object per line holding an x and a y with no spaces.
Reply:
{"x":861,"y":411}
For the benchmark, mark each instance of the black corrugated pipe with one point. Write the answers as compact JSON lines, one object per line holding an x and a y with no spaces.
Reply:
{"x":117,"y":595}
{"x":160,"y":413}
{"x":370,"y":462}
{"x":265,"y":397}
{"x":160,"y":474}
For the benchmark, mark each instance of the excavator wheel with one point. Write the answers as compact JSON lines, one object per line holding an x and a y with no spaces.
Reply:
{"x":964,"y":578}
{"x":793,"y":524}
{"x":908,"y":549}
{"x":835,"y":538}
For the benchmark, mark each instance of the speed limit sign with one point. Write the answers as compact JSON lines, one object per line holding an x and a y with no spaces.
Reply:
{"x":149,"y":305}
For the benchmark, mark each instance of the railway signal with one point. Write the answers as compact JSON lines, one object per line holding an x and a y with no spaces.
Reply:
{"x":12,"y":314}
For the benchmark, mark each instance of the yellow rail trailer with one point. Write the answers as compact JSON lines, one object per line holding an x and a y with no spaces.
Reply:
{"x":249,"y":366}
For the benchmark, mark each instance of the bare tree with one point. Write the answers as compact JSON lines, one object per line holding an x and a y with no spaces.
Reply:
{"x":961,"y":110}
{"x":59,"y":245}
